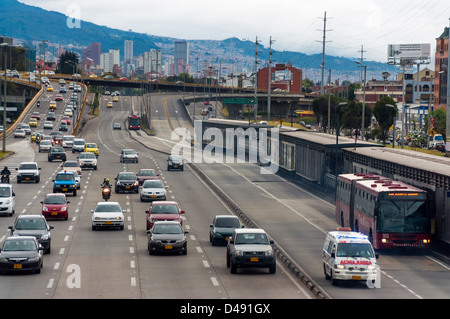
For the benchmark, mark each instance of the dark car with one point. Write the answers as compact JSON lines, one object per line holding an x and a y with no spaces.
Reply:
{"x":163,"y":211}
{"x":51,"y":116}
{"x":222,"y":227}
{"x":175,"y":162}
{"x":21,"y":253}
{"x":33,"y":225}
{"x":57,"y":153}
{"x":146,"y":174}
{"x":126,"y":182}
{"x":168,"y":237}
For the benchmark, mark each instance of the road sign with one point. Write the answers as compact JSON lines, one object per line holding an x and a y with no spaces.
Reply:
{"x":238,"y":100}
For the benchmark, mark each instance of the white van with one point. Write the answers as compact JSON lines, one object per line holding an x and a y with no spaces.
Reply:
{"x":7,"y":199}
{"x":349,"y":255}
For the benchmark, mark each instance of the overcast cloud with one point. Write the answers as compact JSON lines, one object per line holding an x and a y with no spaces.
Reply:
{"x":295,"y":25}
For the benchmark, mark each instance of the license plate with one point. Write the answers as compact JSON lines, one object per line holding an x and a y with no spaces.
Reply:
{"x":127,"y":187}
{"x":254,"y":259}
{"x":107,"y":223}
{"x":54,"y":213}
{"x":17,"y":266}
{"x":64,"y":189}
{"x":58,"y":156}
{"x":153,"y":196}
{"x":168,"y":246}
{"x":356,"y":277}
{"x":175,"y":166}
{"x":27,"y":178}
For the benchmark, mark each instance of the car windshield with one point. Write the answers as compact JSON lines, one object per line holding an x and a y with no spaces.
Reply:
{"x":78,"y":142}
{"x":354,"y":250}
{"x":147,"y":173}
{"x":251,"y":238}
{"x":5,"y":192}
{"x":128,"y":152}
{"x":57,"y":149}
{"x":87,"y":155}
{"x":53,"y":200}
{"x":227,"y":222}
{"x":91,"y":145}
{"x":70,"y":164}
{"x":153,"y":184}
{"x":19,"y":245}
{"x":165,"y":209}
{"x":28,"y":166}
{"x":30,"y":224}
{"x":167,"y":229}
{"x":127,"y":176}
{"x":108,"y":208}
{"x":64,"y":177}
{"x":45,"y":142}
{"x":176,"y":159}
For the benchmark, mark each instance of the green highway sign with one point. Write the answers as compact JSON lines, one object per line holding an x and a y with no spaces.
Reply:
{"x":238,"y":100}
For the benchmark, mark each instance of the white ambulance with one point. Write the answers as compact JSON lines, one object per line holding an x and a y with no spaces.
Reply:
{"x":349,"y":255}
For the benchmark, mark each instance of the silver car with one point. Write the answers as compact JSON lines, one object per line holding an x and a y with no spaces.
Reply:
{"x":153,"y":190}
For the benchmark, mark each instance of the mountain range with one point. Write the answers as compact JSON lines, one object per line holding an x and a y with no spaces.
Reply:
{"x":33,"y":24}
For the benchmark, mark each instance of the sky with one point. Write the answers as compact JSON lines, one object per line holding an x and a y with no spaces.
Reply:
{"x":352,"y":26}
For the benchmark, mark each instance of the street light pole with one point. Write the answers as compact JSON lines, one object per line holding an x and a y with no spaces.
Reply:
{"x":4,"y":109}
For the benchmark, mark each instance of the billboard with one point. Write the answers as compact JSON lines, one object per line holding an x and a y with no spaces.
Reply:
{"x":409,"y":51}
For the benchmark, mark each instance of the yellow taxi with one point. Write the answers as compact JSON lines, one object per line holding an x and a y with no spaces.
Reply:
{"x":91,"y":147}
{"x":110,"y":104}
{"x":34,"y":136}
{"x":33,"y":122}
{"x":49,"y":88}
{"x":115,"y":99}
{"x":52,"y":105}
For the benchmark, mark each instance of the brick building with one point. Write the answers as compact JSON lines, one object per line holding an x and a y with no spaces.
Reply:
{"x":441,"y":62}
{"x":283,"y":77}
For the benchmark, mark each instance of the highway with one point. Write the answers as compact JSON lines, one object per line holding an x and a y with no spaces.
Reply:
{"x":115,"y":264}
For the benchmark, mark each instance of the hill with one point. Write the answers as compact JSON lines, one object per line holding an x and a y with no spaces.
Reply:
{"x":31,"y":23}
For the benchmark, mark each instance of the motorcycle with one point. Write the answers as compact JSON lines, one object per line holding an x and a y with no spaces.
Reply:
{"x":106,"y":193}
{"x":38,"y":103}
{"x":5,"y":179}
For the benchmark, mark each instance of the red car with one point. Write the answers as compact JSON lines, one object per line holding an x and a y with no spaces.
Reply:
{"x":163,"y":210}
{"x":55,"y":206}
{"x":66,"y":118}
{"x":58,"y":97}
{"x":145,"y":174}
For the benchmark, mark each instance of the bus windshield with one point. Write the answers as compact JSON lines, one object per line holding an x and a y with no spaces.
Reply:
{"x":408,"y":216}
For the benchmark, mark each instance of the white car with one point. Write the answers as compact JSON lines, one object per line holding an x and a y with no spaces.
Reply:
{"x":153,"y":190}
{"x":87,"y":160}
{"x":20,"y":133}
{"x":107,"y":214}
{"x":26,"y":128}
{"x":28,"y":171}
{"x":68,"y":140}
{"x":68,"y":112}
{"x":129,"y":155}
{"x":7,"y":201}
{"x":45,"y":146}
{"x":48,"y":125}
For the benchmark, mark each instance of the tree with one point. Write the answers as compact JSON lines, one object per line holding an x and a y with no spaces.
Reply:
{"x":68,"y":62}
{"x":320,"y":109}
{"x":385,"y":116}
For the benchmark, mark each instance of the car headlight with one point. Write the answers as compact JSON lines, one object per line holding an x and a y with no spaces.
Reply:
{"x":44,"y":237}
{"x":64,"y":209}
{"x":339,"y":266}
{"x":4,"y":260}
{"x":269,"y":253}
{"x":8,"y":201}
{"x":33,"y":259}
{"x":372,"y":267}
{"x":136,"y":183}
{"x":44,"y":208}
{"x":238,"y":252}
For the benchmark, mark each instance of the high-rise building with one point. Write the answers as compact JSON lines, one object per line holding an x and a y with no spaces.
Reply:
{"x":108,"y":60}
{"x":181,"y":56}
{"x":93,"y":52}
{"x":441,"y":69}
{"x":128,"y":50}
{"x":152,"y":62}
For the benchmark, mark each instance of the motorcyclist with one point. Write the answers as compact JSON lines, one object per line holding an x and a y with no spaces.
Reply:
{"x":38,"y":103}
{"x":106,"y":183}
{"x":6,"y":172}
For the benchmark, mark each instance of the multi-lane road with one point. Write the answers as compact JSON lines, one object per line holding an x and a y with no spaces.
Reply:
{"x":116,"y":264}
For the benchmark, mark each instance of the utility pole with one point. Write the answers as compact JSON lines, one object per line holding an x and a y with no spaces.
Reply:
{"x":255,"y":105}
{"x":270,"y":78}
{"x":362,"y":62}
{"x":323,"y":50}
{"x":447,"y":119}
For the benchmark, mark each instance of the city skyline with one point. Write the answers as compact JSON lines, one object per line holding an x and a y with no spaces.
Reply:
{"x":296,"y":26}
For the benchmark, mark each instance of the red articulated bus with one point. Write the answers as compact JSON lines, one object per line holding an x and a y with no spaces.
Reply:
{"x":134,"y":122}
{"x":391,"y":213}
